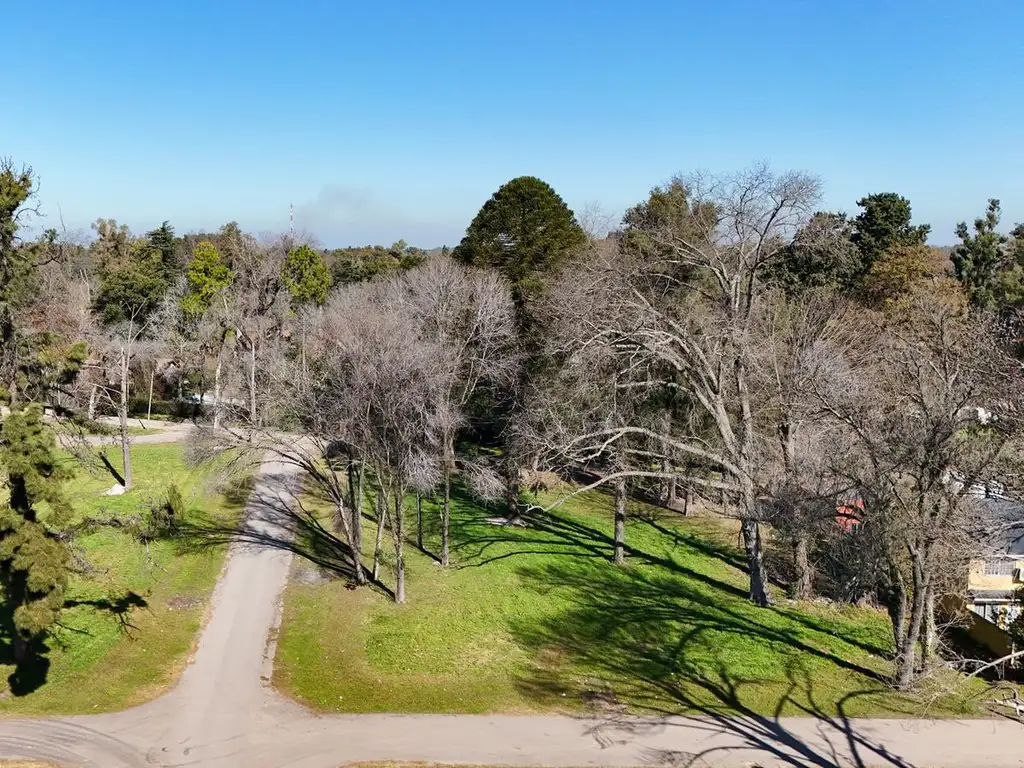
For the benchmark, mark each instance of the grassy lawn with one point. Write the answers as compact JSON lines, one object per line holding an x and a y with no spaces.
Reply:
{"x":539,"y":619}
{"x":133,"y":613}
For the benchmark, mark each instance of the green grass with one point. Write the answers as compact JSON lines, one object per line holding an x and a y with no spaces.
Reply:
{"x":539,"y":619}
{"x":132,"y":619}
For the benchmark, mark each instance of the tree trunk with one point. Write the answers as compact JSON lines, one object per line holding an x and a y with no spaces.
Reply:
{"x":216,"y":393}
{"x":357,"y":508}
{"x":398,"y":529}
{"x":512,"y":506}
{"x":687,"y":499}
{"x":345,"y":518}
{"x":673,"y":490}
{"x":419,"y":522}
{"x":355,"y":497}
{"x":122,"y":417}
{"x":930,"y":640}
{"x":252,"y":385}
{"x":897,"y":608}
{"x":803,"y":584}
{"x":92,"y":402}
{"x":751,"y":531}
{"x":149,"y":408}
{"x":379,"y":543}
{"x":620,"y":521}
{"x":663,"y":489}
{"x":446,"y":505}
{"x":906,"y":663}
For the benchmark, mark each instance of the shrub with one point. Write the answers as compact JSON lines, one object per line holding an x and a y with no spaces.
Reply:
{"x":165,"y":515}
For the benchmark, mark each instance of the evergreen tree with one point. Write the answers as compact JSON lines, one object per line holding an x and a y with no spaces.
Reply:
{"x":821,"y":255}
{"x":981,"y":258}
{"x":525,"y":230}
{"x":132,"y":283}
{"x":306,"y":276}
{"x":207,"y":275}
{"x":164,"y":245}
{"x":883,"y":224}
{"x":33,"y":561}
{"x":16,"y":187}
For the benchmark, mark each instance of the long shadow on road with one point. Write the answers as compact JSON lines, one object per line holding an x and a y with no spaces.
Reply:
{"x":649,"y":643}
{"x":278,"y":519}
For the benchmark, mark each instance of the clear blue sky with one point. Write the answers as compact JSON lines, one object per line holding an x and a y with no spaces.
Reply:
{"x":382,"y":120}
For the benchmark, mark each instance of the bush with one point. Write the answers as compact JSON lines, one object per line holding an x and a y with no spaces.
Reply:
{"x":177,"y":409}
{"x":165,"y":515}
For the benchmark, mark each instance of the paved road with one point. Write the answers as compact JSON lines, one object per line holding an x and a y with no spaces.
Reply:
{"x":166,"y":432}
{"x":223,"y":713}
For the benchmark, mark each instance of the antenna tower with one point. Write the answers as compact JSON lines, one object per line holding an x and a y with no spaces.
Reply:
{"x":291,"y":219}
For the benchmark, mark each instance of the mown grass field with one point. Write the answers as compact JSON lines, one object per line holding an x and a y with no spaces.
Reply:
{"x":133,"y":613}
{"x":538,"y":619}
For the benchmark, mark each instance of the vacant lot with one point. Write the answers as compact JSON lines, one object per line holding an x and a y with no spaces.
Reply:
{"x":539,"y":619}
{"x":135,"y":606}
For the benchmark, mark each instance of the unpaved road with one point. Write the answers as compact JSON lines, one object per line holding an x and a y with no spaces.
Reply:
{"x":224,"y":714}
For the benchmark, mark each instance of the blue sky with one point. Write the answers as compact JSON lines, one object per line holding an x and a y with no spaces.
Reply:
{"x":390,"y":119}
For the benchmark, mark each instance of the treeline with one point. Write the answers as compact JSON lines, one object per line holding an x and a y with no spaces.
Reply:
{"x":820,"y":376}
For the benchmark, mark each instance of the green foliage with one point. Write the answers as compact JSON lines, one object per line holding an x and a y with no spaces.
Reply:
{"x":883,"y":224}
{"x":306,"y":276}
{"x":822,"y":255}
{"x":668,"y":216}
{"x":525,"y":230}
{"x":986,"y":265}
{"x":897,"y":272}
{"x":177,"y":409}
{"x":164,"y":245}
{"x":166,"y":514}
{"x":354,"y":265}
{"x":207,"y":275}
{"x":33,"y":562}
{"x":132,"y":282}
{"x":16,"y":186}
{"x":31,"y":362}
{"x":44,"y":361}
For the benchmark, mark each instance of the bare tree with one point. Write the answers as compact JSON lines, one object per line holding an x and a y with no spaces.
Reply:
{"x":799,"y":343}
{"x":676,"y":305}
{"x":909,"y":405}
{"x":256,"y":308}
{"x":468,"y":317}
{"x":115,"y":350}
{"x":373,"y":379}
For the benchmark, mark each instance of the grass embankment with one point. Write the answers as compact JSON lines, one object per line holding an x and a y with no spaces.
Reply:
{"x":539,"y":619}
{"x":132,"y":616}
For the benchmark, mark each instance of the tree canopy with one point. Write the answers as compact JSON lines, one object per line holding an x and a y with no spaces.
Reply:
{"x":306,"y":276}
{"x":523,"y":231}
{"x":885,"y":223}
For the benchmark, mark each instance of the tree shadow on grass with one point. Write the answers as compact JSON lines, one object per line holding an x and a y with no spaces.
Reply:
{"x":551,"y":533}
{"x":276,"y":519}
{"x":120,"y":607}
{"x":642,"y":640}
{"x":558,"y":533}
{"x":30,"y":673}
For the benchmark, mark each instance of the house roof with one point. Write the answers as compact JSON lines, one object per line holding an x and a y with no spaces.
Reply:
{"x":1006,"y":519}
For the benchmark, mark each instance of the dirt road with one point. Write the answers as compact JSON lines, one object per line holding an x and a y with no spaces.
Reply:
{"x":224,"y":714}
